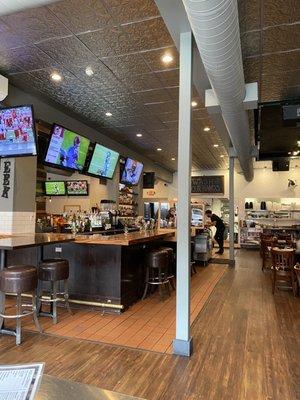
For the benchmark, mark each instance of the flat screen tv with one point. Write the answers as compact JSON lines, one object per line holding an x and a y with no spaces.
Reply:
{"x":17,"y":132}
{"x":55,"y":188}
{"x":77,"y":188}
{"x":67,"y":149}
{"x":131,"y":172}
{"x":103,"y":162}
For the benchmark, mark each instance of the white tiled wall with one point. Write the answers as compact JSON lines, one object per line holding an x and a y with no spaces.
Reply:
{"x":17,"y":222}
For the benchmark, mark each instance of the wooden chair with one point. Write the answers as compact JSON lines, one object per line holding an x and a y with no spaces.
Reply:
{"x":265,"y":250}
{"x":283,"y":268}
{"x":265,"y":236}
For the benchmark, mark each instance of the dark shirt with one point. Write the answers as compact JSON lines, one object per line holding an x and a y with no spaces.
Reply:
{"x":219,"y":223}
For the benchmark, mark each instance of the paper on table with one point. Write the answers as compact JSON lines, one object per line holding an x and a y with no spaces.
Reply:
{"x":20,"y":382}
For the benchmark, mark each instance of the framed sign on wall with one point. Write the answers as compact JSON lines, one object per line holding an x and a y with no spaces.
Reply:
{"x":208,"y":184}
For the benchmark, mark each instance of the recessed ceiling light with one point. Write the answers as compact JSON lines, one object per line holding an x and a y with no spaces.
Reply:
{"x":167,"y":58}
{"x":173,"y":159}
{"x":139,"y":134}
{"x":289,"y":152}
{"x":55,"y":76}
{"x":298,"y":143}
{"x":295,"y":153}
{"x":194,"y":103}
{"x":216,"y":145}
{"x":89,"y":71}
{"x":159,"y":149}
{"x":222,"y":156}
{"x":108,"y":114}
{"x":206,"y":129}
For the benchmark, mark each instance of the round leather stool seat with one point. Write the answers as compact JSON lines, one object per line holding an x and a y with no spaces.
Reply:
{"x":18,"y":279}
{"x":157,"y":259}
{"x":54,"y":269}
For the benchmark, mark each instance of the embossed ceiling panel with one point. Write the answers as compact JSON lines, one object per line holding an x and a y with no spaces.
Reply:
{"x":123,"y":41}
{"x":80,"y":16}
{"x":270,"y":32}
{"x":124,"y":11}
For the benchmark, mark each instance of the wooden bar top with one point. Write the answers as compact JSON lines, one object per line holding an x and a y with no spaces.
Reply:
{"x":33,"y":240}
{"x":123,"y":239}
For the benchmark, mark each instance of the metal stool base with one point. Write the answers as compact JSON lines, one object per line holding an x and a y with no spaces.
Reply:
{"x":17,"y":332}
{"x":53,"y":300}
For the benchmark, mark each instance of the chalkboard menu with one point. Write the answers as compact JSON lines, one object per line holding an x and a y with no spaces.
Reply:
{"x":208,"y":184}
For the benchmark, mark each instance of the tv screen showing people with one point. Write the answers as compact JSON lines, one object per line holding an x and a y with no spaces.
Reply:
{"x":67,"y":149}
{"x":77,"y":188}
{"x":132,"y":172}
{"x":103,"y":162}
{"x":55,"y":188}
{"x":17,"y":132}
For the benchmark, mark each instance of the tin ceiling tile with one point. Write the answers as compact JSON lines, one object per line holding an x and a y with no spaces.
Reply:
{"x":250,"y":43}
{"x":252,"y":69}
{"x":281,"y":38}
{"x":142,"y":40}
{"x":141,"y":82}
{"x":68,"y":51}
{"x":124,"y":11}
{"x":152,"y":96}
{"x":132,"y":64}
{"x":158,"y":108}
{"x":26,"y":59}
{"x":81,"y":16}
{"x":108,"y":42}
{"x":281,"y":62}
{"x":169,"y":78}
{"x":35,"y":24}
{"x":154,"y":58}
{"x":249,"y":14}
{"x":280,"y":12}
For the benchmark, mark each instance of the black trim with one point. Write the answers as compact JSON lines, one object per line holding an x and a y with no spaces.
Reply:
{"x":34,"y":133}
{"x":86,"y":170}
{"x":61,"y":166}
{"x":55,"y":195}
{"x":77,"y":180}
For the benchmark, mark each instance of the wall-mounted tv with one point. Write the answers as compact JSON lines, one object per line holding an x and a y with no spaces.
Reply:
{"x":131,"y":172}
{"x":17,"y":132}
{"x":55,"y":188}
{"x":77,"y":188}
{"x":67,"y":149}
{"x":103,"y":162}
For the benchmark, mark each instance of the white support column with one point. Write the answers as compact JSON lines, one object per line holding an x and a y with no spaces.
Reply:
{"x":231,"y":211}
{"x":182,"y":344}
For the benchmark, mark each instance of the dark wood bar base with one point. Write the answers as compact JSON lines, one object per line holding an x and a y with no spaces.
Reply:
{"x":111,"y":275}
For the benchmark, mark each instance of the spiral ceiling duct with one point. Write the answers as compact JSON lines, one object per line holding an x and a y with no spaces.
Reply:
{"x":12,"y":6}
{"x":215,"y":26}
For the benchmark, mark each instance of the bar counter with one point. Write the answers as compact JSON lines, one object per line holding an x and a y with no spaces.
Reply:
{"x":106,"y":271}
{"x":128,"y":239}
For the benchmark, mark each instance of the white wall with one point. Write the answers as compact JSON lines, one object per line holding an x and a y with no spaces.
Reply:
{"x":266,"y":184}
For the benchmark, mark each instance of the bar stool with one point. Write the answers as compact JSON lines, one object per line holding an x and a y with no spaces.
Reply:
{"x":17,"y":280}
{"x":171,"y":275}
{"x":157,"y":271}
{"x":54,"y":270}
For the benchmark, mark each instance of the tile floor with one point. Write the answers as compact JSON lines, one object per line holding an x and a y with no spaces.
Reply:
{"x":148,"y":324}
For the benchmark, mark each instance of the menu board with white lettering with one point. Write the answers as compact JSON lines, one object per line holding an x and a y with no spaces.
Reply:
{"x":20,"y":382}
{"x":208,"y":184}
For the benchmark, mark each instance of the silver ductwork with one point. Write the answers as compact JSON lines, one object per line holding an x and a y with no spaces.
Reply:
{"x":12,"y":6}
{"x":215,"y":26}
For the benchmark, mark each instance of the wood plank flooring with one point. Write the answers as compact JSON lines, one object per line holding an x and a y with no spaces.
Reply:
{"x":246,"y":346}
{"x":148,"y":324}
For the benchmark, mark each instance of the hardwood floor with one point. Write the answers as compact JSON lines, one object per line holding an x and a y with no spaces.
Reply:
{"x":246,"y":346}
{"x":148,"y":324}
